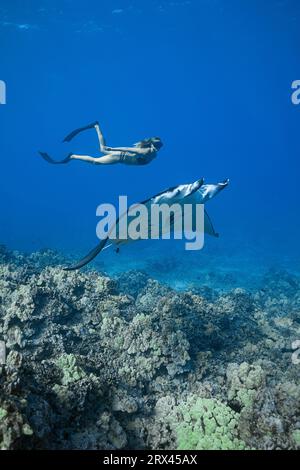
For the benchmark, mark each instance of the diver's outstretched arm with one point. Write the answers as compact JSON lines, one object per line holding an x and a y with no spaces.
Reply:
{"x":105,"y":149}
{"x":137,"y":150}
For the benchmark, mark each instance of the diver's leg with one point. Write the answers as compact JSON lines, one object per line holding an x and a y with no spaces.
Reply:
{"x":208,"y":191}
{"x":102,"y":143}
{"x":109,"y":159}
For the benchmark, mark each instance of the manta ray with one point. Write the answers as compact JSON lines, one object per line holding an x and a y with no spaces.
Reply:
{"x":192,"y":193}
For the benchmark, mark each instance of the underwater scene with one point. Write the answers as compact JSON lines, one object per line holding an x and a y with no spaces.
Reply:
{"x":109,"y":107}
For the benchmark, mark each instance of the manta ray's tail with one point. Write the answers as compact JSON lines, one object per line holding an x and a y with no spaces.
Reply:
{"x":72,"y":134}
{"x":89,"y":257}
{"x":49,"y":159}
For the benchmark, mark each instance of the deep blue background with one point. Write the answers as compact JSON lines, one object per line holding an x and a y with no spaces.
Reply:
{"x":211,"y":77}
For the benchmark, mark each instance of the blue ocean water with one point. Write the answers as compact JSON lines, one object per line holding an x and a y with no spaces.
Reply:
{"x":212,"y":78}
{"x":154,"y":347}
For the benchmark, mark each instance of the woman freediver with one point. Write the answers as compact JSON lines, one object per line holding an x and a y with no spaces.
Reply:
{"x":141,"y":153}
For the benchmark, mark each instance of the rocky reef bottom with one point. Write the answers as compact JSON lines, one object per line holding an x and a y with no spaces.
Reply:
{"x":91,"y":362}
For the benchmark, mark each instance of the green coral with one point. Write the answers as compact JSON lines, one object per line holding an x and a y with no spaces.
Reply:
{"x":12,"y":425}
{"x":71,"y":371}
{"x":27,"y":431}
{"x":246,"y":398}
{"x":296,"y":437}
{"x":243,"y":383}
{"x":207,"y":424}
{"x":3,"y":413}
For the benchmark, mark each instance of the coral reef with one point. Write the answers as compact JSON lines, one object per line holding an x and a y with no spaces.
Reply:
{"x":207,"y":424}
{"x":99,"y":363}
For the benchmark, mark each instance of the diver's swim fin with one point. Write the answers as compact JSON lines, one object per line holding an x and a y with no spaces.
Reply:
{"x":72,"y":134}
{"x":48,"y":159}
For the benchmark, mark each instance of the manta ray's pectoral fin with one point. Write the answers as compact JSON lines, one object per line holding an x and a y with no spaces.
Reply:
{"x":208,"y":226}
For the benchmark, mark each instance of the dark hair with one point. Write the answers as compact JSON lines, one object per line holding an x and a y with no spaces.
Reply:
{"x":155,"y":141}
